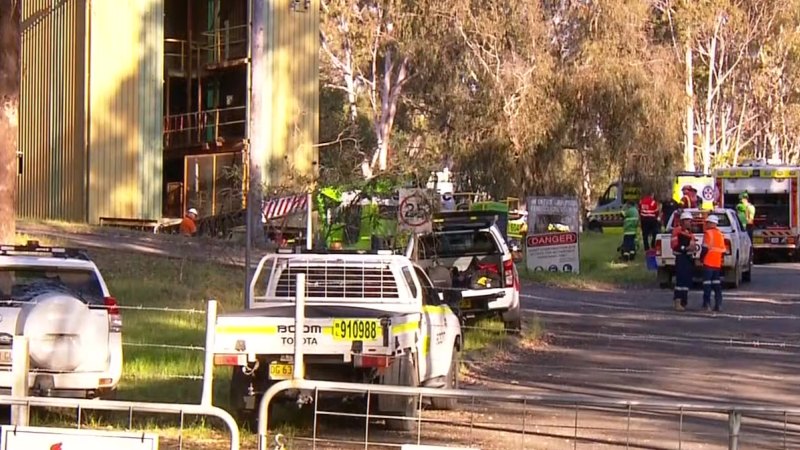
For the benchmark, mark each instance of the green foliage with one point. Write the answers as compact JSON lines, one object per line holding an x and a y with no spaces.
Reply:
{"x":550,"y":97}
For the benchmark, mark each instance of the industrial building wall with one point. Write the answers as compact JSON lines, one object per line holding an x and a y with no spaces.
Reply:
{"x":292,"y":38}
{"x":52,"y":96}
{"x":126,"y":55}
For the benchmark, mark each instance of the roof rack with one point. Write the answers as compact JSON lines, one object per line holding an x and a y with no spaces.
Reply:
{"x":33,"y":248}
{"x":471,"y":219}
{"x":326,"y":251}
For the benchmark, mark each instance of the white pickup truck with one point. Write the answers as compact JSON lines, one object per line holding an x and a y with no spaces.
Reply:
{"x":466,"y":252}
{"x":369,"y":318}
{"x":737,"y":264}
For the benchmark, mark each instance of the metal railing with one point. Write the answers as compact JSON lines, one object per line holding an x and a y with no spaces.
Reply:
{"x":205,"y":126}
{"x":493,"y":419}
{"x":82,"y":405}
{"x":226,"y":43}
{"x":221,"y":45}
{"x":176,"y":55}
{"x":21,"y":403}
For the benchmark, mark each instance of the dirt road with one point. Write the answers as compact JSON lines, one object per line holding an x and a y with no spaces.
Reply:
{"x":633,"y":346}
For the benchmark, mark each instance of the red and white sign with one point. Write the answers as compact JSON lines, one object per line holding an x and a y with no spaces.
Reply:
{"x":553,"y":252}
{"x":31,"y":438}
{"x":543,"y":240}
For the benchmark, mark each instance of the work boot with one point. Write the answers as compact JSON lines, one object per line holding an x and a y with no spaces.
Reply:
{"x":678,"y":306}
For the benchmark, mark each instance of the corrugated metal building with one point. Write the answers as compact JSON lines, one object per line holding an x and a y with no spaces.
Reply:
{"x":95,"y":116}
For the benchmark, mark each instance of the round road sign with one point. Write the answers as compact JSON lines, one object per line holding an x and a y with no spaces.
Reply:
{"x":415,"y":210}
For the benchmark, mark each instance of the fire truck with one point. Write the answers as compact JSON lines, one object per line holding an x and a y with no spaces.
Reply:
{"x":772,"y":189}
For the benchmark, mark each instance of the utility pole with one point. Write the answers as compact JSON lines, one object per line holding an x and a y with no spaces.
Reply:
{"x":257,"y":136}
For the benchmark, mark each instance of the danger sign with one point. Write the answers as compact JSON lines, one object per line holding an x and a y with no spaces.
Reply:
{"x":553,"y":252}
{"x":543,"y":240}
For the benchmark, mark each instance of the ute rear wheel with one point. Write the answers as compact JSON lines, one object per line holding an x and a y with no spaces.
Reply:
{"x":409,"y":409}
{"x":445,"y":403}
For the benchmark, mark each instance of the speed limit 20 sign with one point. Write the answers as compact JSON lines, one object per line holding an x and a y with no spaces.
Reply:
{"x":415,"y":210}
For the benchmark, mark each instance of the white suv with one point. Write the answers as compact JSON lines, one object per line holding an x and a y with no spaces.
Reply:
{"x":57,"y":299}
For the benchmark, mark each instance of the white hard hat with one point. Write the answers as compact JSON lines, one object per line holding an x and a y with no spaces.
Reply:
{"x":193,"y":211}
{"x":686,"y":215}
{"x":713,"y":219}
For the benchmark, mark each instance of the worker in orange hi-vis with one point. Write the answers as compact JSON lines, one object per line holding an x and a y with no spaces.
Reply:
{"x":188,"y":224}
{"x":711,"y":255}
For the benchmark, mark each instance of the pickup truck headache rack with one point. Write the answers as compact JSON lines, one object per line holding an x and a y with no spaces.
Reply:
{"x":33,"y":248}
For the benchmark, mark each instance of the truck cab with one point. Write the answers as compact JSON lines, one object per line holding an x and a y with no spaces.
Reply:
{"x":609,"y":211}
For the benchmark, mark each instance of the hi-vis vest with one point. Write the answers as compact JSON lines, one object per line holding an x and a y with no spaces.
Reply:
{"x":715,"y":242}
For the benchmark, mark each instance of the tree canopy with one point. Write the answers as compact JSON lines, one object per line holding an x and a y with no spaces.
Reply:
{"x":557,"y":96}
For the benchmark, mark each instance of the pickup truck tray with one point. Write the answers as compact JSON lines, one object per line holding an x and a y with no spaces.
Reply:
{"x":479,"y":302}
{"x":313,"y":312}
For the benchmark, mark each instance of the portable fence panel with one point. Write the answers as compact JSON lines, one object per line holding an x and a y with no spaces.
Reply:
{"x":139,"y":416}
{"x":521,"y":420}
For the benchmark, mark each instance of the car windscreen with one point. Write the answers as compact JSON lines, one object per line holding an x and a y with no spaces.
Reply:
{"x":25,"y":283}
{"x":451,"y":244}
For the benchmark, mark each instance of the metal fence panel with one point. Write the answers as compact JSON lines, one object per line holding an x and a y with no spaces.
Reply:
{"x":521,"y":420}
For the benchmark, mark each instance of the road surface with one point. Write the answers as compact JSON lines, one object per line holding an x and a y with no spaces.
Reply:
{"x":634,"y":346}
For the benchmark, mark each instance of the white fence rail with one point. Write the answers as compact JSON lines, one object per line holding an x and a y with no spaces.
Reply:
{"x":21,"y":403}
{"x":494,"y":420}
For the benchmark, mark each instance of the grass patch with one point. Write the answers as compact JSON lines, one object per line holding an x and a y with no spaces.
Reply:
{"x":483,"y":334}
{"x":599,"y":268}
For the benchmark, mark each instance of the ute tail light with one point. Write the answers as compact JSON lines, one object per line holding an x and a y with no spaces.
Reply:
{"x":229,"y":360}
{"x":658,"y":247}
{"x":508,"y":273}
{"x":727,"y":247}
{"x":373,"y":361}
{"x":114,"y":317}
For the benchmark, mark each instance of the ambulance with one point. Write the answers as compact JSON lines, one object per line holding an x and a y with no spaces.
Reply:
{"x":772,"y":189}
{"x":610,"y":212}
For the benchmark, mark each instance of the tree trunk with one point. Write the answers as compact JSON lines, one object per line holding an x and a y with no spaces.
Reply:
{"x":709,"y":113}
{"x":688,"y":150}
{"x":9,"y":114}
{"x":586,"y":185}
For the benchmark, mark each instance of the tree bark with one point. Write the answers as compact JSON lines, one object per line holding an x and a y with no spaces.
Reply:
{"x":9,"y":114}
{"x":710,"y":94}
{"x":688,"y":151}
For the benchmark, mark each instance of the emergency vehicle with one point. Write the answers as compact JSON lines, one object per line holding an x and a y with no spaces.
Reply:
{"x":610,"y":211}
{"x":772,"y":189}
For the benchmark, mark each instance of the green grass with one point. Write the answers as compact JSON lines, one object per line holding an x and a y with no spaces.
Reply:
{"x":600,"y":266}
{"x":151,"y":281}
